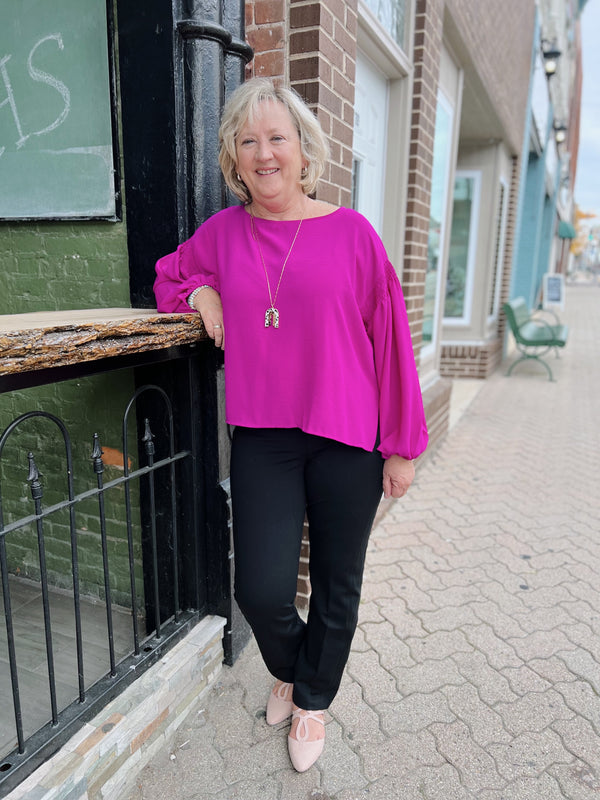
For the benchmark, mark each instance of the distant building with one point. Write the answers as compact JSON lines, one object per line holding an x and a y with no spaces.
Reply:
{"x":550,"y":149}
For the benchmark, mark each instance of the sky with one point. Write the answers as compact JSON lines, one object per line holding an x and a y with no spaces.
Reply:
{"x":587,"y":185}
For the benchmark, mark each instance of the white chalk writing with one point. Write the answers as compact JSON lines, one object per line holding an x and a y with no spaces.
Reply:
{"x":38,"y":76}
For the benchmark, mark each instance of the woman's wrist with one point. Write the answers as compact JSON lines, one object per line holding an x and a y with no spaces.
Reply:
{"x":192,"y":295}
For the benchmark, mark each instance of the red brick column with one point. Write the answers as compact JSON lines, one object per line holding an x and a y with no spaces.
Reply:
{"x":322,"y":52}
{"x":311,"y":45}
{"x":266,"y":32}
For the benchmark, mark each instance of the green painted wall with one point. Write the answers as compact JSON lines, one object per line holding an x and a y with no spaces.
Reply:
{"x":55,"y":266}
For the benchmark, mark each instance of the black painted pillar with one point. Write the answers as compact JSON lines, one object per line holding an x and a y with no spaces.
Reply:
{"x":178,"y":62}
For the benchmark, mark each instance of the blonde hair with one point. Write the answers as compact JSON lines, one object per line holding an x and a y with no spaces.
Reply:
{"x":241,"y":107}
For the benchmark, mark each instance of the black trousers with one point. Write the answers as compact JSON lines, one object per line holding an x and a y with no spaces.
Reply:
{"x":278,"y":475}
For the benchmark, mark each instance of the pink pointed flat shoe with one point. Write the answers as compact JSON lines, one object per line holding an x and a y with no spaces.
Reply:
{"x":279,"y":704}
{"x":304,"y":752}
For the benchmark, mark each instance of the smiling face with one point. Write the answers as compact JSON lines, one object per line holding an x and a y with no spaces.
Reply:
{"x":269,"y":159}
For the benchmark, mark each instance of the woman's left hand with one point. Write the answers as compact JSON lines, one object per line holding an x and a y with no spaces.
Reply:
{"x":398,"y":474}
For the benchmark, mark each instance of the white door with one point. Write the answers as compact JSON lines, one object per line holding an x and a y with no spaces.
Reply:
{"x":370,"y":133}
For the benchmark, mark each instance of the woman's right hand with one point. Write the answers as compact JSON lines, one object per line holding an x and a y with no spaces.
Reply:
{"x":208,"y":304}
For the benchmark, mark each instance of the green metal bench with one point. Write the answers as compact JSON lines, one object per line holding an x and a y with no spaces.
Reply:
{"x":534,"y":337}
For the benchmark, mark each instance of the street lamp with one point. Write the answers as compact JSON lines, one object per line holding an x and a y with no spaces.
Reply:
{"x":551,"y":55}
{"x":560,"y":132}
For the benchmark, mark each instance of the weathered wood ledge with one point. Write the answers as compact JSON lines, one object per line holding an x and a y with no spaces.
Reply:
{"x":40,"y":340}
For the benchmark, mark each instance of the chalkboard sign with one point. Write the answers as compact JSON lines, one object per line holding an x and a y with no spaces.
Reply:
{"x":554,"y":291}
{"x":56,"y":151}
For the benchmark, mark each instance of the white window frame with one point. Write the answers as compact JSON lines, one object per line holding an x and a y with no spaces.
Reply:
{"x":396,"y":64}
{"x":476,"y":175}
{"x":428,"y":350}
{"x":376,"y":42}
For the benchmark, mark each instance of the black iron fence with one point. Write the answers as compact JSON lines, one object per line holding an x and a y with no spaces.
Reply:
{"x":153,"y":514}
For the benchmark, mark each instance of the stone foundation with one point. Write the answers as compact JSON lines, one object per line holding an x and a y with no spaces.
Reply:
{"x":103,"y":759}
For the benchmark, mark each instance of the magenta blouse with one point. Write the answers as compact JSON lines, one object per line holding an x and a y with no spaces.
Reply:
{"x":341,"y":363}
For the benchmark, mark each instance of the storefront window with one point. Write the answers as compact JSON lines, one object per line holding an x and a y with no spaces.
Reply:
{"x":439,"y":198}
{"x":392,"y":14}
{"x":461,"y":255}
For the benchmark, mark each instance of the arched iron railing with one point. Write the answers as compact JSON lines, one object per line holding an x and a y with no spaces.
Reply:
{"x":162,"y":522}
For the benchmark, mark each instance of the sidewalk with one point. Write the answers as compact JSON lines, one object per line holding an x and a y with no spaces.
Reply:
{"x":475,"y":670}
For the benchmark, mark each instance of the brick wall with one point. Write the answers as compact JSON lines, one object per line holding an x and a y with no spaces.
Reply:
{"x":322,"y":55}
{"x":464,"y":361}
{"x":316,"y":41}
{"x":53,"y":266}
{"x":50,"y":266}
{"x":267,"y":34}
{"x":87,"y":406}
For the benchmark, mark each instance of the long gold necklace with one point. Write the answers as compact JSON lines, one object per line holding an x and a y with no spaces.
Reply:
{"x":272,"y":313}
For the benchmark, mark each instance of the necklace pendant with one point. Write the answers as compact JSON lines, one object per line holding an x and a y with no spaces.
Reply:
{"x":271,"y":317}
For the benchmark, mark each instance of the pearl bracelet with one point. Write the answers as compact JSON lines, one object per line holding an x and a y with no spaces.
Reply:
{"x":191,"y":297}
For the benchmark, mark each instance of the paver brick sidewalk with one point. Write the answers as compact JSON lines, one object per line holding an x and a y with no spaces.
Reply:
{"x":475,"y":670}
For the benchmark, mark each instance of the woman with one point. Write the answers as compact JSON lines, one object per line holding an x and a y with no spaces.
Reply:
{"x":321,"y":387}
